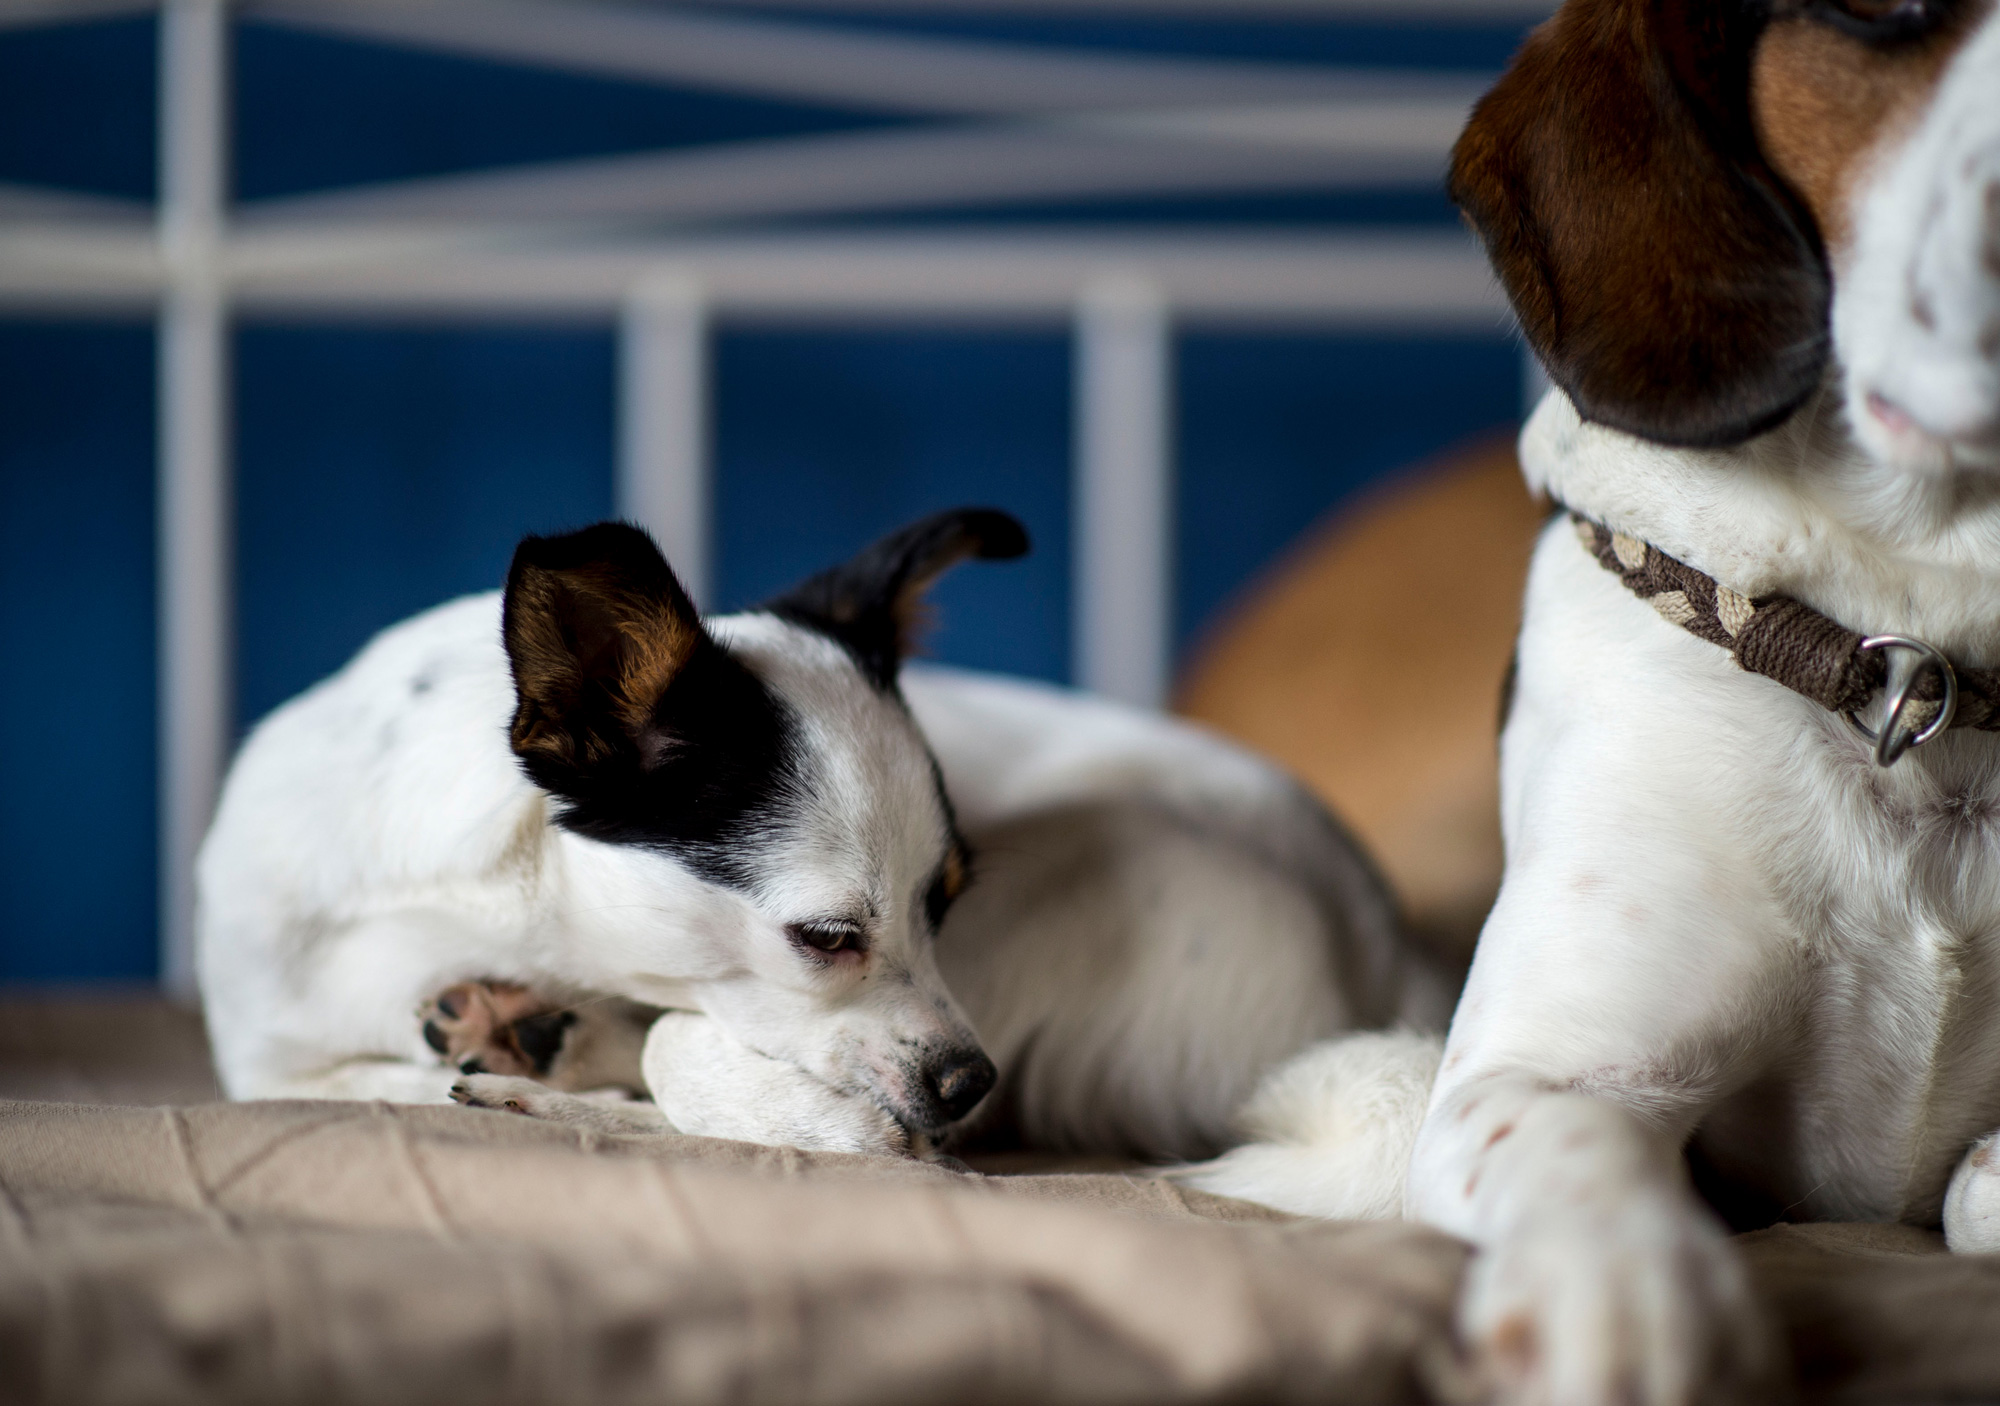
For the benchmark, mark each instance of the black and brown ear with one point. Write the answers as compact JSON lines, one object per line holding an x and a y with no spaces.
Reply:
{"x":596,"y":628}
{"x":1669,"y":281}
{"x":873,"y":604}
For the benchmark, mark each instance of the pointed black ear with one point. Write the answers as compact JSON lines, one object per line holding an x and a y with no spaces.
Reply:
{"x":1671,"y":283}
{"x":873,"y":604}
{"x":596,"y":628}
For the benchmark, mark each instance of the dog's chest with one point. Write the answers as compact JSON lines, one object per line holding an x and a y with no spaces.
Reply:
{"x":1893,"y":880}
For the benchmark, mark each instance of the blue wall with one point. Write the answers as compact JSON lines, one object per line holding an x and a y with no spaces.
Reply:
{"x":826,"y":439}
{"x":1278,"y":430}
{"x":76,"y":619}
{"x":76,"y":107}
{"x":381,"y":469}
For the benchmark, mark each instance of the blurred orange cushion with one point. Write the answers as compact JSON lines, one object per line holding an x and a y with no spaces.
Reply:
{"x":1370,"y":662}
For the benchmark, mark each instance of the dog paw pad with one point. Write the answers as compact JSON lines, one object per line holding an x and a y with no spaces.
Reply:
{"x":493,"y":1027}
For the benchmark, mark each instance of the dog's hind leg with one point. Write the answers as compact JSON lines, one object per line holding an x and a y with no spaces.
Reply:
{"x":1330,"y":1132}
{"x":1135,"y":976}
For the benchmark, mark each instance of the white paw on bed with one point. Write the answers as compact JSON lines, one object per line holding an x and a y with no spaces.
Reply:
{"x":1329,"y":1132}
{"x":711,"y":1084}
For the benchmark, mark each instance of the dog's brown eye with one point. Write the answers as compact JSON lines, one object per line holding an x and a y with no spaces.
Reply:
{"x":827,"y":937}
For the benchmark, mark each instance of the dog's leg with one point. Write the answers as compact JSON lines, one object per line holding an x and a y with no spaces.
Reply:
{"x":1592,"y":1038}
{"x":603,"y":1114}
{"x":1972,"y":1205}
{"x":1136,"y":976}
{"x":1638,"y":969}
{"x":1329,"y":1133}
{"x":707,"y":1083}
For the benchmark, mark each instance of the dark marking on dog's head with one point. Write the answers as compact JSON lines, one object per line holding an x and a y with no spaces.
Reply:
{"x":627,"y":711}
{"x":597,"y":628}
{"x":954,"y":871}
{"x":873,"y":604}
{"x":1668,"y":279}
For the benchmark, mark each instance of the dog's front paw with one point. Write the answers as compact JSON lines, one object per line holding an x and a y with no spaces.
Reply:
{"x":495,"y":1027}
{"x":1972,"y":1205}
{"x":708,"y":1083}
{"x":1644,"y":1304}
{"x":505,"y":1092}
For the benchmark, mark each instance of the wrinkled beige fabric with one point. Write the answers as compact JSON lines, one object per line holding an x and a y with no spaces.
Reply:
{"x":376,"y":1254}
{"x":366,"y":1253}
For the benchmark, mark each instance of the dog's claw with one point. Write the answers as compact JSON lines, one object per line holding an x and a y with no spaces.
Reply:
{"x":466,"y":1092}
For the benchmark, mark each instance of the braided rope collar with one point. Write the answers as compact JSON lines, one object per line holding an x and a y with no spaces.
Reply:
{"x":1790,"y":643}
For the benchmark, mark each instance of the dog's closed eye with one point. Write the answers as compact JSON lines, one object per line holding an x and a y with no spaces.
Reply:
{"x":829,"y":937}
{"x":1883,"y":21}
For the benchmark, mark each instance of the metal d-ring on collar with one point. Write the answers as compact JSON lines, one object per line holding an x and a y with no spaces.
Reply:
{"x":1906,"y":665}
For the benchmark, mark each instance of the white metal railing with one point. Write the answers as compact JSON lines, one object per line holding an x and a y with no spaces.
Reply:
{"x":557,"y":242}
{"x":1122,"y":576}
{"x":663,"y":430}
{"x":194,"y":489}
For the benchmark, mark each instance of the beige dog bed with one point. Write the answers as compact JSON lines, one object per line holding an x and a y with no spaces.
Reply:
{"x":365,"y":1253}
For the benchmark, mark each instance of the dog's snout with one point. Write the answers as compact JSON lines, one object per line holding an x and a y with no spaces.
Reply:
{"x":958,"y":1082}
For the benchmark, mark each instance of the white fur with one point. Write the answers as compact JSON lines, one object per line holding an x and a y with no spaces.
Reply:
{"x":1720,"y":920}
{"x":708,"y":1085}
{"x":1158,"y":918}
{"x":1329,"y":1132}
{"x":377,"y":843}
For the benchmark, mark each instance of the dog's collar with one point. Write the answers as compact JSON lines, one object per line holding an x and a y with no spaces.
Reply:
{"x":1790,"y":643}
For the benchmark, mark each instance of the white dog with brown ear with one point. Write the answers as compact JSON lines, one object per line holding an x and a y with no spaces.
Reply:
{"x":1757,"y":245}
{"x":528,"y":834}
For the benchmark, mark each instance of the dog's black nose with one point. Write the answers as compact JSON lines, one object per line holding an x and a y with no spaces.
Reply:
{"x":960,"y":1081}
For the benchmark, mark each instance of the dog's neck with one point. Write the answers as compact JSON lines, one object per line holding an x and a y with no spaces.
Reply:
{"x":1798,"y":512}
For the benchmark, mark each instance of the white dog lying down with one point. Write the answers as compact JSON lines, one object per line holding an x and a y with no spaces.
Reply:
{"x":514,"y":831}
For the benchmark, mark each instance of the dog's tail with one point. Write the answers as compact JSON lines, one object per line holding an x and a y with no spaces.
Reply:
{"x":1329,"y":1132}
